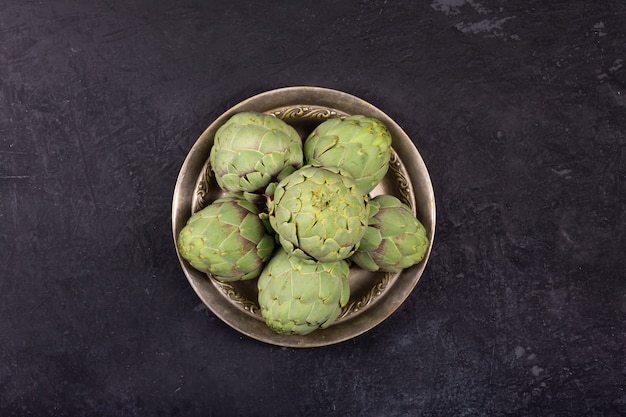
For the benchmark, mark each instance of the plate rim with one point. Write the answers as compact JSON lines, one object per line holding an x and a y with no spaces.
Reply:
{"x":283,"y":97}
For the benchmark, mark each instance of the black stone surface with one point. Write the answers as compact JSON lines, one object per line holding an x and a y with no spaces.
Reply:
{"x":517,"y":107}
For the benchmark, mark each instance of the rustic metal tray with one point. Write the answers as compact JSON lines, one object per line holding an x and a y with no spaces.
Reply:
{"x":374,"y":296}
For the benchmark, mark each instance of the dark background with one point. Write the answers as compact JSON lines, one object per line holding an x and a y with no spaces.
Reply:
{"x":517,"y":107}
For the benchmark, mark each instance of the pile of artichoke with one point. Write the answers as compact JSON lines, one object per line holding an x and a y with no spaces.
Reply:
{"x":299,"y":214}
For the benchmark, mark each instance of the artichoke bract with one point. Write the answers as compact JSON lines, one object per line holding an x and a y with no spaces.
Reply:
{"x":358,"y":144}
{"x":252,"y":152}
{"x":298,"y":296}
{"x":318,"y":213}
{"x":395,"y":239}
{"x":227,"y":239}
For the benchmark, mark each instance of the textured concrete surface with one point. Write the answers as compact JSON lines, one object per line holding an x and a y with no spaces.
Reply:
{"x":517,"y":107}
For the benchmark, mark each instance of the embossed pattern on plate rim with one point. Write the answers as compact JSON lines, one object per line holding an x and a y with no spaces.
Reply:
{"x":295,"y":103}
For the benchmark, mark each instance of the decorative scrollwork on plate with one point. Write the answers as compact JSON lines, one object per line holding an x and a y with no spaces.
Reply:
{"x":367,"y":299}
{"x":234,"y":295}
{"x":307,"y":112}
{"x":404,"y":188}
{"x":202,"y":191}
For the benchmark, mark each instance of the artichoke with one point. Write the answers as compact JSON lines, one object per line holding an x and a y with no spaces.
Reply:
{"x":395,"y":239}
{"x":358,"y":144}
{"x":227,"y":239}
{"x":252,"y":152}
{"x":298,"y":296}
{"x":318,"y":213}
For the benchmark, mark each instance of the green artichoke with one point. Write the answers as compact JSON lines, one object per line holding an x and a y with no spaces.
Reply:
{"x":358,"y":144}
{"x":227,"y":239}
{"x":318,"y":213}
{"x":252,"y":152}
{"x":298,"y":296}
{"x":395,"y":239}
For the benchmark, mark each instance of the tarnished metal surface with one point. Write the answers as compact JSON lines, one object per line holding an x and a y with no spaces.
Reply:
{"x":374,"y":296}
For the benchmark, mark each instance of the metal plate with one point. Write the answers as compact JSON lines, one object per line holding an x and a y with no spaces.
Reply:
{"x":374,"y":296}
